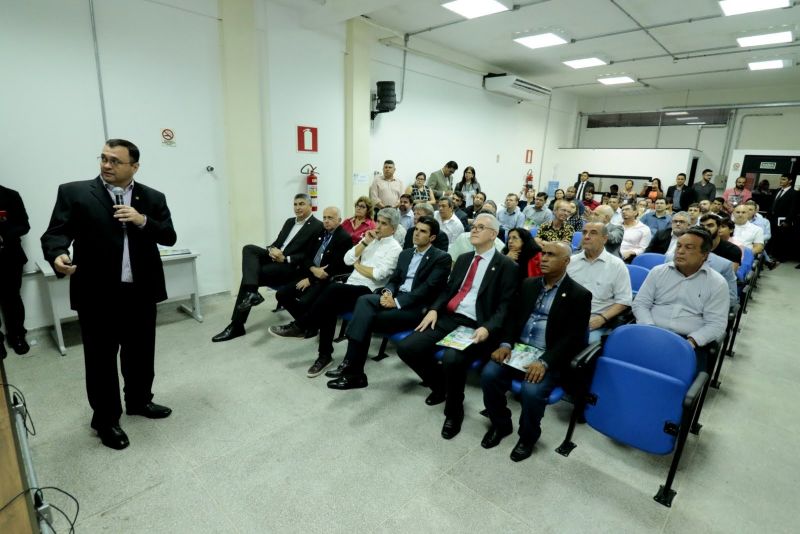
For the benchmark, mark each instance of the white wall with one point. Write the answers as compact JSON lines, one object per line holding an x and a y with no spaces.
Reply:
{"x":446,"y":114}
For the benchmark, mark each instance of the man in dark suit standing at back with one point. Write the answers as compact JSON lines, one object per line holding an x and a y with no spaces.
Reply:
{"x":582,"y":185}
{"x":116,"y":278}
{"x":680,"y":194}
{"x":782,"y":215}
{"x":276,"y":265}
{"x":13,"y":225}
{"x":420,"y":276}
{"x":478,"y":296}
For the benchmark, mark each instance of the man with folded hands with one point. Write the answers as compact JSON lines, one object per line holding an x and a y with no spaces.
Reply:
{"x":552,"y":315}
{"x":420,"y":276}
{"x":479,"y":292}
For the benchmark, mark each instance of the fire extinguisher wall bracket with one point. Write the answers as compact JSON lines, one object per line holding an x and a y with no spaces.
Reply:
{"x":311,"y":183}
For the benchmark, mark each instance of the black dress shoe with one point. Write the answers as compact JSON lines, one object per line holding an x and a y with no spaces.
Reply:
{"x":252,"y":298}
{"x":3,"y":351}
{"x":150,"y":410}
{"x":19,"y":345}
{"x":349,"y":382}
{"x":113,"y":437}
{"x":494,"y":436}
{"x":287,"y":330}
{"x":451,"y":427}
{"x":231,"y":331}
{"x":436,"y":397}
{"x":521,"y":451}
{"x":339,"y":371}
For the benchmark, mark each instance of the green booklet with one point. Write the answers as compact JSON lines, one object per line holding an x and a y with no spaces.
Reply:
{"x":523,"y":355}
{"x":458,"y":339}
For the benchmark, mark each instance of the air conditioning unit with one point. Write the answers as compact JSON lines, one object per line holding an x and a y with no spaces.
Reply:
{"x":514,"y":86}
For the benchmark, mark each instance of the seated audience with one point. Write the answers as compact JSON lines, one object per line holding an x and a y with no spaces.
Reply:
{"x":658,"y":219}
{"x":527,"y":196}
{"x":477,"y":204}
{"x":479,"y":292}
{"x":642,"y":207}
{"x":575,"y":220}
{"x":374,"y":260}
{"x":537,"y":214}
{"x":278,"y":264}
{"x":463,"y":243}
{"x":361,"y":222}
{"x":385,"y":190}
{"x":687,"y":296}
{"x":705,"y":206}
{"x":627,"y":194}
{"x":652,"y":190}
{"x":405,"y":207}
{"x":569,"y":195}
{"x":420,"y":276}
{"x":665,"y":241}
{"x":557,"y":229}
{"x":747,"y":233}
{"x":448,"y":222}
{"x":510,"y":217}
{"x":551,"y":315}
{"x":723,"y":249}
{"x":558,"y":195}
{"x":616,"y":212}
{"x":716,"y":206}
{"x":588,"y":200}
{"x":636,"y":236}
{"x":318,"y":270}
{"x":694,"y":214}
{"x":458,"y":203}
{"x":523,"y":249}
{"x":603,"y":214}
{"x":424,"y":209}
{"x":605,"y":276}
{"x":726,"y":228}
{"x":420,"y":192}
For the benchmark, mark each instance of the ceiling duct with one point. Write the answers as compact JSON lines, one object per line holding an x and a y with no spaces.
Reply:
{"x":514,"y":86}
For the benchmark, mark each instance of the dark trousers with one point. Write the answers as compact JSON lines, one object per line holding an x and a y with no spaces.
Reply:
{"x":297,"y":302}
{"x":496,"y":381}
{"x":134,"y":337}
{"x":258,"y":269}
{"x":780,"y":246}
{"x":418,"y":349}
{"x":336,"y":298}
{"x":10,"y":300}
{"x":369,"y":316}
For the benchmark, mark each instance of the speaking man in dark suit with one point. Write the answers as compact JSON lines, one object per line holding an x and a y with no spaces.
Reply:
{"x":420,"y":276}
{"x":479,"y":293}
{"x":13,"y":225}
{"x":116,"y":278}
{"x":276,"y":265}
{"x":553,"y":316}
{"x":782,"y":218}
{"x":582,"y":185}
{"x":318,"y":270}
{"x":680,"y":194}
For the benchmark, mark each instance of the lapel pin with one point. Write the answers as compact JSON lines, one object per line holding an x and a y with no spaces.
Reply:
{"x":563,"y":294}
{"x":137,"y":198}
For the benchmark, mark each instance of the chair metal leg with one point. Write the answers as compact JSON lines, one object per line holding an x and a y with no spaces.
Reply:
{"x":567,"y":445}
{"x":734,"y":331}
{"x":341,"y":336}
{"x":382,"y":352}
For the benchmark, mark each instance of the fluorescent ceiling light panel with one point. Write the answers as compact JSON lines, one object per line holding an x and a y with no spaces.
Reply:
{"x":676,"y":113}
{"x":766,"y":65}
{"x":765,"y":39}
{"x":586,"y":62}
{"x":472,"y":9}
{"x":737,"y":7}
{"x":695,"y":123}
{"x":686,"y":118}
{"x":541,"y":41}
{"x":616,"y":80}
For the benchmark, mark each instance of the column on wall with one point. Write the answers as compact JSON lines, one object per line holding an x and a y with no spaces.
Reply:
{"x":357,"y":108}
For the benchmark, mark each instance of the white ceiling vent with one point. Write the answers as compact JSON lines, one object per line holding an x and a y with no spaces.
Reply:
{"x":514,"y":86}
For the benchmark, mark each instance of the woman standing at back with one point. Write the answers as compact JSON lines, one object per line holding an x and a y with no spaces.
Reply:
{"x":468,"y":185}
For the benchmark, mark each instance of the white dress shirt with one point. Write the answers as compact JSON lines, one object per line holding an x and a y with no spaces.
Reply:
{"x":635,"y":239}
{"x":452,"y":227}
{"x":606,"y":278}
{"x":467,"y":306}
{"x":749,"y":234}
{"x":381,"y":255}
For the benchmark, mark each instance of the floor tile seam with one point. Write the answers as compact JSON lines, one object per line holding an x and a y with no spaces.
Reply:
{"x":223,"y":510}
{"x":509,"y":513}
{"x":407,"y":502}
{"x":123,"y":501}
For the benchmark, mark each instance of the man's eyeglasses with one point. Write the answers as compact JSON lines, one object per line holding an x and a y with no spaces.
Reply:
{"x":112,"y":161}
{"x":362,"y":206}
{"x":480,"y":227}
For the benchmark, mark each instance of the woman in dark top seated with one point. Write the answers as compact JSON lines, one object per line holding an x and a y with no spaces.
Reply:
{"x":523,"y":249}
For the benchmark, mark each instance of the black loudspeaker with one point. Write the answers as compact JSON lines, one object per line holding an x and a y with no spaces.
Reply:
{"x":387,"y":98}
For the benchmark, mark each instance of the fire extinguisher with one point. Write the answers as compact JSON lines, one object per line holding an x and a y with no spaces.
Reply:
{"x":529,"y":179}
{"x":311,"y":183}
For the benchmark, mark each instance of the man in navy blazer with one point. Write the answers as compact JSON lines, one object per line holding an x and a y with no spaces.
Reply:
{"x":116,"y":279}
{"x":563,"y":307}
{"x":420,"y":276}
{"x":276,"y":265}
{"x":13,"y":225}
{"x":479,"y":293}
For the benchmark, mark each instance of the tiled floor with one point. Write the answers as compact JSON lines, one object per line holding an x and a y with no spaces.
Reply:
{"x":255,"y":446}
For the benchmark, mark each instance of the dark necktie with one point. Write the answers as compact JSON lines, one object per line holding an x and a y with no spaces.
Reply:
{"x":779,"y":195}
{"x":465,"y":287}
{"x":325,"y":241}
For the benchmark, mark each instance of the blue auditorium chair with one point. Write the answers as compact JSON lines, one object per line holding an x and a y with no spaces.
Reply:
{"x":644,"y":393}
{"x":534,"y":231}
{"x":637,"y":274}
{"x":648,"y":260}
{"x":577,"y":239}
{"x":475,"y":365}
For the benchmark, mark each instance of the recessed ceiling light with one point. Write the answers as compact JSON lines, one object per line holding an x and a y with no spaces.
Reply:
{"x":541,"y":40}
{"x":737,"y":7}
{"x":473,"y":9}
{"x":695,"y":123}
{"x":685,"y":118}
{"x":586,"y":62}
{"x":615,"y":80}
{"x":765,"y":39}
{"x":766,"y":65}
{"x":676,"y":113}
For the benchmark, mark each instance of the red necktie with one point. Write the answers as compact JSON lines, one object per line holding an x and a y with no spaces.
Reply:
{"x":465,"y":287}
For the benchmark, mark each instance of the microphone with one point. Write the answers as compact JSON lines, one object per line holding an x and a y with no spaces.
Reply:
{"x":119,"y":198}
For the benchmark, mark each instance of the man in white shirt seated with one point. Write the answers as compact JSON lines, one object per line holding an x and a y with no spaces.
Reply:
{"x":406,"y":212}
{"x":616,"y":217}
{"x":448,"y":222}
{"x":637,"y":235}
{"x":604,"y":275}
{"x":463,"y":244}
{"x":511,"y":217}
{"x":374,"y":259}
{"x":763,"y":223}
{"x":745,"y":232}
{"x":687,"y":296}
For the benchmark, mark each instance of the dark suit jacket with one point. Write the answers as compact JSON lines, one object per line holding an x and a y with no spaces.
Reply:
{"x":660,"y":241}
{"x":442,"y":242}
{"x":304,"y":244}
{"x":13,"y":228}
{"x":83,"y":217}
{"x":429,"y":280}
{"x":688,"y":196}
{"x":333,"y":256}
{"x":498,"y":287}
{"x":786,"y":206}
{"x":589,"y":185}
{"x":567,"y":322}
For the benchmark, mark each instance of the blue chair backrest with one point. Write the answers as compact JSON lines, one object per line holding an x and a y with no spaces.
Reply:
{"x":639,"y":385}
{"x":577,"y":238}
{"x":648,"y":260}
{"x":637,"y":274}
{"x":534,"y":231}
{"x":747,"y":264}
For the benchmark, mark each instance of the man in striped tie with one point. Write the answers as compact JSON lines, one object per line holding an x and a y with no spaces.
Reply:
{"x":479,"y":292}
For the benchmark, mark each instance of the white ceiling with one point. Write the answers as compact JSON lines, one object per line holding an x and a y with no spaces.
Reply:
{"x":697,"y":47}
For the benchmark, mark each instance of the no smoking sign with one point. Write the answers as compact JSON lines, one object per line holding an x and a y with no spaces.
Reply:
{"x":167,"y":137}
